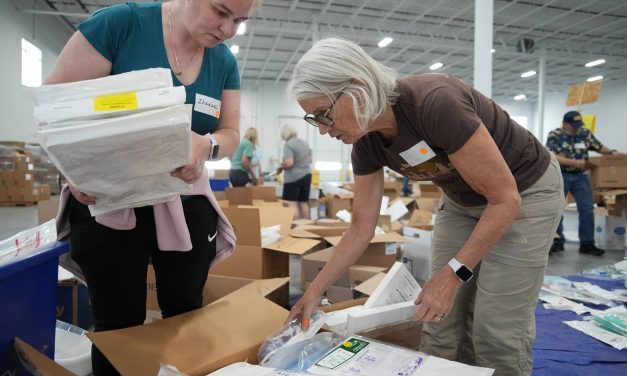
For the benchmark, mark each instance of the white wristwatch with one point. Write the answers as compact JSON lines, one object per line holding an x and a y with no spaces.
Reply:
{"x":214,"y":147}
{"x":461,"y":271}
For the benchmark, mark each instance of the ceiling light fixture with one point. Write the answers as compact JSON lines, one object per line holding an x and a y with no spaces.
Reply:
{"x":235,"y":49}
{"x":385,"y":41}
{"x":595,"y":78}
{"x":520,"y":97}
{"x":528,"y":74}
{"x":594,"y":63}
{"x":436,"y":66}
{"x":241,"y":29}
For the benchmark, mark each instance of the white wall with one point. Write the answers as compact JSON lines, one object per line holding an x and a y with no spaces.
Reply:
{"x":16,"y":103}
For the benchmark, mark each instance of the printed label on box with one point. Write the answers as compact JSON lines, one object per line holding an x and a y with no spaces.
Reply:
{"x":390,"y":249}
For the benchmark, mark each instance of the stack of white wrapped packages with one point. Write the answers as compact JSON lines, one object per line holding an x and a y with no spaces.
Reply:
{"x":118,"y":137}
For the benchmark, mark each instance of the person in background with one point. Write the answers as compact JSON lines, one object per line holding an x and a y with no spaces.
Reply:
{"x":570,"y":144}
{"x":256,"y":164}
{"x":185,"y":36}
{"x":296,"y":172}
{"x":242,"y":169}
{"x":502,"y":201}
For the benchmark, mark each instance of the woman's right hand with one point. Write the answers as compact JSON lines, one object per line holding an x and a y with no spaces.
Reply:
{"x":305,"y":306}
{"x":82,"y":197}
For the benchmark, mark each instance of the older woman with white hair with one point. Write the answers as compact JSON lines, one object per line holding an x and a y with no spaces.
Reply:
{"x":502,"y":202}
{"x":296,"y":171}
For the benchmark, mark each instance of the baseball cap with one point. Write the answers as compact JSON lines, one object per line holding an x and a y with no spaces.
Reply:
{"x":573,"y":118}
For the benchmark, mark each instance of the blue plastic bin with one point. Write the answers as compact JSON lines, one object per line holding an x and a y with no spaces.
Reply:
{"x":28,"y":298}
{"x":219,"y":185}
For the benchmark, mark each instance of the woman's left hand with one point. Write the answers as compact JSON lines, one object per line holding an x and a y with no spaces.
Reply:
{"x":192,"y":171}
{"x":437,"y":296}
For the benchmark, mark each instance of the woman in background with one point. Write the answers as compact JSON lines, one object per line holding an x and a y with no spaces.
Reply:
{"x":296,"y":172}
{"x":242,"y":162}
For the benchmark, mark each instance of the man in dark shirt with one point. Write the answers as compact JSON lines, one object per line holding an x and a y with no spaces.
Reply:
{"x":571,"y":143}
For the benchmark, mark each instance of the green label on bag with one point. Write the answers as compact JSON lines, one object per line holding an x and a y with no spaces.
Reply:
{"x":342,"y":353}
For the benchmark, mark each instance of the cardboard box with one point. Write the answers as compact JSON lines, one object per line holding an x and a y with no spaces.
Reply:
{"x":246,"y":195}
{"x":609,"y":232}
{"x":615,"y":201}
{"x":383,"y":250}
{"x":6,"y":178}
{"x":334,"y":205}
{"x":252,"y":260}
{"x":47,"y":209}
{"x":196,"y":342}
{"x":336,"y":294}
{"x":609,"y":171}
{"x":429,"y":190}
{"x":314,"y":262}
{"x":421,"y":219}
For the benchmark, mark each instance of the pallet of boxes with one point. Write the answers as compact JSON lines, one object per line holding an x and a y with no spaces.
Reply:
{"x":19,"y":183}
{"x":609,"y":181}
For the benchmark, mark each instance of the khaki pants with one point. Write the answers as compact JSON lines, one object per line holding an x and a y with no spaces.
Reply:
{"x":492,"y":323}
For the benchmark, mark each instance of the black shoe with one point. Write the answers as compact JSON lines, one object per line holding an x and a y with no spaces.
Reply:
{"x":556,"y":247}
{"x":591,"y":249}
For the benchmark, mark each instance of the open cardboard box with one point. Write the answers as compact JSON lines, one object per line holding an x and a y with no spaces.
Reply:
{"x":383,"y":249}
{"x":196,"y":342}
{"x":250,"y":259}
{"x":609,"y":171}
{"x":246,"y":195}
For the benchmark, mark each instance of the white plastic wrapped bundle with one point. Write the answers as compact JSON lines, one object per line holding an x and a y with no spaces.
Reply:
{"x":27,"y":242}
{"x":146,"y":79}
{"x":125,"y":161}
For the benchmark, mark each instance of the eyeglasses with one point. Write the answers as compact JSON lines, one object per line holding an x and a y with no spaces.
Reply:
{"x":323,"y":119}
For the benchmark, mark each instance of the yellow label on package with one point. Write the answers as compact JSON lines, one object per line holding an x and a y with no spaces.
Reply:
{"x":116,"y":102}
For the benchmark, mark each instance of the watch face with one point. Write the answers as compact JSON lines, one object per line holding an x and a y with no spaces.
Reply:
{"x":464,"y":273}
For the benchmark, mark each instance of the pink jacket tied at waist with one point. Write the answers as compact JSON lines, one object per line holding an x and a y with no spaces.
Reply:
{"x":172,"y":231}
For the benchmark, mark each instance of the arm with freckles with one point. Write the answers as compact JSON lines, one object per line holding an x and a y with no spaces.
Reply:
{"x":482,"y":166}
{"x":368,"y":193}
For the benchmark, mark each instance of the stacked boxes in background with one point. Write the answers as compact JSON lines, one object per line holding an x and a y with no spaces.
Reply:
{"x":18,"y":185}
{"x":44,"y":171}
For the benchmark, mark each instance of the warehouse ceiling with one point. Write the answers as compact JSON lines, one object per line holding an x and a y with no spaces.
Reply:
{"x":569,"y":33}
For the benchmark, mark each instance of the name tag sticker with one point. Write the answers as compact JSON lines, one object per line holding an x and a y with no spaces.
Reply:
{"x":207,"y":105}
{"x":580,"y":145}
{"x":417,"y":154}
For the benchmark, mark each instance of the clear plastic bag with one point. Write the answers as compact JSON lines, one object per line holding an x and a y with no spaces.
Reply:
{"x":289,"y":334}
{"x":28,"y":242}
{"x":301,"y":355}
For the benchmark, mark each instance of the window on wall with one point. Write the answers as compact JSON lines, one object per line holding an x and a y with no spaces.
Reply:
{"x":31,"y":64}
{"x":522,"y":120}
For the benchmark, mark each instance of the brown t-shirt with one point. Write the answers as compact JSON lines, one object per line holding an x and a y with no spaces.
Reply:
{"x":436,"y":114}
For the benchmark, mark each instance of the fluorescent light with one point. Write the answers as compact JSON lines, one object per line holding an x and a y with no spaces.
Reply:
{"x":235,"y":49}
{"x":595,"y":78}
{"x":436,"y":66}
{"x":328,"y":166}
{"x":492,"y":50}
{"x":241,"y":29}
{"x":385,"y":41}
{"x":528,"y":74}
{"x":520,"y":97}
{"x":596,"y":62}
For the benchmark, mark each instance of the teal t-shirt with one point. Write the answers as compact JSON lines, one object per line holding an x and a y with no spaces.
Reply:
{"x":245,"y":148}
{"x":130,"y":36}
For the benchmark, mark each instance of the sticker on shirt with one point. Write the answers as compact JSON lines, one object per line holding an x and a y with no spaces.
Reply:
{"x":580,"y":145}
{"x":207,"y":105}
{"x":417,"y":154}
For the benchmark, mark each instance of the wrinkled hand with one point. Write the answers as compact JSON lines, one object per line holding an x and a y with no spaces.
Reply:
{"x":437,"y":296}
{"x":304,"y":307}
{"x":192,"y":171}
{"x":82,"y":197}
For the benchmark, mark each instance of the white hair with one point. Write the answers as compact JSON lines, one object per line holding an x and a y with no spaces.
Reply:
{"x":287,"y":132}
{"x":334,"y":66}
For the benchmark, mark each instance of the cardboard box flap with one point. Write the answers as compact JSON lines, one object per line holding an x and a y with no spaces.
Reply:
{"x":329,"y":222}
{"x":296,"y":246}
{"x":263,"y":287}
{"x":38,"y":362}
{"x":196,"y":342}
{"x":302,"y":222}
{"x":370,"y":285}
{"x":274,"y":215}
{"x":608,"y":160}
{"x":259,"y":202}
{"x":324,"y":231}
{"x":246,"y":224}
{"x":420,"y":218}
{"x":388,"y":237}
{"x":299,"y":233}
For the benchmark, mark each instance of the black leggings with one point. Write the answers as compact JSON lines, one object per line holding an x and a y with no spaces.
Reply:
{"x":115,"y":263}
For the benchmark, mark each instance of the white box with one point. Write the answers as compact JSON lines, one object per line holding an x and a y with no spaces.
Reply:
{"x":609,"y":233}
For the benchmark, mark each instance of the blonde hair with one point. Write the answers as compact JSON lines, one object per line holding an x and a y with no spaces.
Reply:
{"x":252,"y":136}
{"x":334,"y":66}
{"x":287,"y":132}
